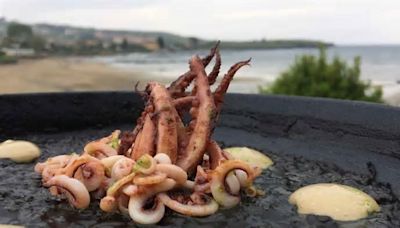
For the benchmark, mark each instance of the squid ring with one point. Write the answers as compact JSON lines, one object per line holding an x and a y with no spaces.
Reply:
{"x":71,"y":168}
{"x":59,"y":161}
{"x":48,"y":173}
{"x":242,"y":177}
{"x":191,"y":210}
{"x":99,"y":148}
{"x":189,"y":184}
{"x":123,"y":202}
{"x":91,"y":175}
{"x":137,"y":202}
{"x":113,"y":189}
{"x":154,"y":178}
{"x":130,"y":189}
{"x":143,"y":216}
{"x":233,"y":183}
{"x":218,"y":178}
{"x":162,"y":158}
{"x":109,"y":162}
{"x":76,"y":193}
{"x":173,"y":171}
{"x":145,"y":164}
{"x":108,"y":204}
{"x":122,"y":168}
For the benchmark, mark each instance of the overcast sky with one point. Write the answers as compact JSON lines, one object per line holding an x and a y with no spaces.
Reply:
{"x":340,"y":21}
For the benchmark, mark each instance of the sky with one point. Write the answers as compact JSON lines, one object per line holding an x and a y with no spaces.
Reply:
{"x":340,"y":21}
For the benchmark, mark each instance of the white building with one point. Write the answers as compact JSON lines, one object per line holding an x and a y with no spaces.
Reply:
{"x":19,"y":52}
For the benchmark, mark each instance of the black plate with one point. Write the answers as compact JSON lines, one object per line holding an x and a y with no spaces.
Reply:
{"x":311,"y":140}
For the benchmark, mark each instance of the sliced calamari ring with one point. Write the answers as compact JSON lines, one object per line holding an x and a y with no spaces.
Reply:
{"x":191,"y":210}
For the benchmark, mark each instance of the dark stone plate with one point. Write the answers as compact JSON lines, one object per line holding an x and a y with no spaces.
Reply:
{"x":310,"y":140}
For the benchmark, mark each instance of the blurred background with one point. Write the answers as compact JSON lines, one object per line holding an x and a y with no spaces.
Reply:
{"x":347,"y":49}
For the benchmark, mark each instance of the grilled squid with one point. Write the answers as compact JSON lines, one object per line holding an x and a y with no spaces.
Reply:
{"x":48,"y":173}
{"x":109,"y":203}
{"x":109,"y":162}
{"x":173,"y":171}
{"x":130,"y":189}
{"x":100,"y":149}
{"x":72,"y":166}
{"x":91,"y":174}
{"x":149,"y":214}
{"x":162,"y":158}
{"x":74,"y":190}
{"x":121,"y":168}
{"x":59,"y":161}
{"x":154,"y":178}
{"x":138,"y":172}
{"x":145,"y":164}
{"x":220,"y":193}
{"x":123,"y":202}
{"x":197,"y":210}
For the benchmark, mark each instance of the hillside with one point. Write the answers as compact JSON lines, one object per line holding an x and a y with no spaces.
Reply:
{"x":69,"y":37}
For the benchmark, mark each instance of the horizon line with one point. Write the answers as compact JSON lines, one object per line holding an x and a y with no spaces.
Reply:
{"x":199,"y":37}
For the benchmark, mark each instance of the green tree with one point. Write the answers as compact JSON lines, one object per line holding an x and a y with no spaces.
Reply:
{"x":38,"y":43}
{"x":160,"y":42}
{"x":5,"y":59}
{"x":316,"y":77}
{"x":125,"y":44}
{"x":19,"y":34}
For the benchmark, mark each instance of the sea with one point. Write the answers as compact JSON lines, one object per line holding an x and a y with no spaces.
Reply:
{"x":379,"y":64}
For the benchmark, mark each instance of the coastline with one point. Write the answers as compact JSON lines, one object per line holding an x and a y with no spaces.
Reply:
{"x":67,"y":74}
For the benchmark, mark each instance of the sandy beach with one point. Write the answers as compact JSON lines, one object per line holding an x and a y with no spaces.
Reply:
{"x":80,"y":74}
{"x":66,"y":74}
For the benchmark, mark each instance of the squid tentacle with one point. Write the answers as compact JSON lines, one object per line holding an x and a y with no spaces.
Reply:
{"x":167,"y":135}
{"x":220,"y":91}
{"x":146,"y":142}
{"x":198,"y":140}
{"x":178,"y":87}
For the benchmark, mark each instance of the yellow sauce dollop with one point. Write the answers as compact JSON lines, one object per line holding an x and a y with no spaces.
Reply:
{"x":340,"y":202}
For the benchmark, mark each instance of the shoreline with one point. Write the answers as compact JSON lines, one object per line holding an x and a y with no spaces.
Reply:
{"x":68,"y":74}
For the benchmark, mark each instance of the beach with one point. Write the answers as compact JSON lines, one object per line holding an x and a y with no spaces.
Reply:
{"x":58,"y":74}
{"x":67,"y":74}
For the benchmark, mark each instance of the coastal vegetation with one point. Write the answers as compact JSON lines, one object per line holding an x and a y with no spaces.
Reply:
{"x":5,"y":59}
{"x":315,"y":76}
{"x":47,"y":39}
